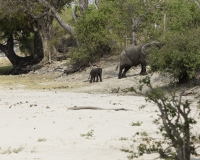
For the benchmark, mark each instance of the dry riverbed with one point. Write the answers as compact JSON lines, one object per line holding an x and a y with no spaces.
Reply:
{"x":39,"y":120}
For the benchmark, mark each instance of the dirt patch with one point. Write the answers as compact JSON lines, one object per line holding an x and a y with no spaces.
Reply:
{"x":51,"y":77}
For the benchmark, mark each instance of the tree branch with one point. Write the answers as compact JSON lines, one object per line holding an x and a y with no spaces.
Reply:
{"x":56,"y":15}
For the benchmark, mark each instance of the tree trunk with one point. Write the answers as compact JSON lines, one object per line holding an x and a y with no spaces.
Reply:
{"x":83,"y":5}
{"x":38,"y":47}
{"x":136,"y":22}
{"x":44,"y":29}
{"x":9,"y":51}
{"x":19,"y":63}
{"x":134,"y":39}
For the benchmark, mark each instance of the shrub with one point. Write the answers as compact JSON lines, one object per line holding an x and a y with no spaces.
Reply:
{"x":93,"y":36}
{"x":180,"y":56}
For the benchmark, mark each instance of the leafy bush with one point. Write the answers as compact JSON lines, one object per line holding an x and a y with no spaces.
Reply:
{"x":93,"y":36}
{"x":180,"y":56}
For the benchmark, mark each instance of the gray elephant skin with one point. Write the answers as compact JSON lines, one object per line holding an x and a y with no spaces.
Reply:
{"x":95,"y":73}
{"x":133,"y":56}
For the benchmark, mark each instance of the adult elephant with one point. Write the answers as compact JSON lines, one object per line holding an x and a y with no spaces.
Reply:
{"x":133,"y":56}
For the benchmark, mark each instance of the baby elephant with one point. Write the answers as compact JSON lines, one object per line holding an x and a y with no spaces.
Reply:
{"x":95,"y":72}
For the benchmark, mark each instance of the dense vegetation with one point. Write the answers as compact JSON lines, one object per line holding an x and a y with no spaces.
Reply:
{"x":181,"y":53}
{"x":103,"y":28}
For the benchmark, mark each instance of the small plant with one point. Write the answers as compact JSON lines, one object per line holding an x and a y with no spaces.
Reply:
{"x":142,"y":106}
{"x":41,"y":140}
{"x":122,"y":138}
{"x":126,"y":150}
{"x":10,"y":150}
{"x":130,"y":89}
{"x":146,"y":145}
{"x":143,"y":134}
{"x":87,"y":135}
{"x":138,"y":123}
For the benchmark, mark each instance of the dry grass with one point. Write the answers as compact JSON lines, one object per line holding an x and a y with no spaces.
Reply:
{"x":46,"y":81}
{"x":33,"y":81}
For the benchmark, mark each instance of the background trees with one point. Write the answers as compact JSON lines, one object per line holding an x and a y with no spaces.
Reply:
{"x":101,"y":28}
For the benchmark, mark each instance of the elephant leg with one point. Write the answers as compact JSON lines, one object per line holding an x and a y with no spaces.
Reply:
{"x":120,"y":72}
{"x":100,"y":77}
{"x":125,"y":70}
{"x":97,"y":78}
{"x":143,"y":68}
{"x":91,"y":77}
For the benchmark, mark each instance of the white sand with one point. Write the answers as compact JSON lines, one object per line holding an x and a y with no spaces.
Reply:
{"x":39,"y":126}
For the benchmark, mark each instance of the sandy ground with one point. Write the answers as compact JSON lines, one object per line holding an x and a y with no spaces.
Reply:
{"x":39,"y":124}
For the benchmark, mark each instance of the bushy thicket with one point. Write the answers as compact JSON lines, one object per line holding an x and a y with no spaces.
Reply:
{"x":93,"y":36}
{"x":180,"y":56}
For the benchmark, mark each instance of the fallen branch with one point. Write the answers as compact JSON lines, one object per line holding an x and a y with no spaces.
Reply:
{"x":98,"y":108}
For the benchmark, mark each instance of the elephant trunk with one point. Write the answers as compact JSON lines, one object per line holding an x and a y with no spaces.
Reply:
{"x":147,"y":45}
{"x":144,"y":47}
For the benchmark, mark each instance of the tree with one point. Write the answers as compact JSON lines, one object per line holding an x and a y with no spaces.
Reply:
{"x":38,"y":16}
{"x":176,"y":120}
{"x":93,"y":36}
{"x":137,"y":18}
{"x":176,"y":123}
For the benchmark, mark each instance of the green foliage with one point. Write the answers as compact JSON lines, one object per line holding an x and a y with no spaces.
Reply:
{"x":27,"y":44}
{"x":182,"y":15}
{"x":97,"y":29}
{"x":146,"y":145}
{"x":123,"y":139}
{"x":175,"y":122}
{"x":13,"y":24}
{"x":175,"y":117}
{"x":93,"y":35}
{"x":143,"y":13}
{"x":138,"y":123}
{"x":179,"y":56}
{"x":88,"y":135}
{"x":58,"y":31}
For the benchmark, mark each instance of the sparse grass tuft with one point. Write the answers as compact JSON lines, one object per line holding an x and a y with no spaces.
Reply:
{"x":10,"y":150}
{"x":138,"y":123}
{"x":143,"y":134}
{"x":130,"y":89}
{"x":122,"y":138}
{"x":88,"y":135}
{"x":42,"y":140}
